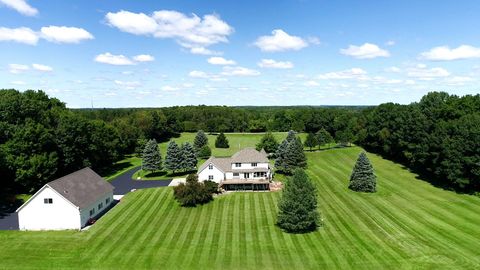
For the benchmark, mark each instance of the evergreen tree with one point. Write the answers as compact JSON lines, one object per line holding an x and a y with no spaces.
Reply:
{"x":363,"y":178}
{"x":151,"y":158}
{"x":173,"y":159}
{"x":268,"y":143}
{"x":295,"y":157}
{"x":221,"y":141}
{"x":323,"y":137}
{"x":200,"y":140}
{"x":280,"y":155}
{"x":189,"y":158}
{"x":298,"y":205}
{"x":311,"y":141}
{"x":205,"y":152}
{"x":290,"y":136}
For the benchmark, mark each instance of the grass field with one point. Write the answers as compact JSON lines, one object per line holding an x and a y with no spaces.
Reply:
{"x":407,"y":224}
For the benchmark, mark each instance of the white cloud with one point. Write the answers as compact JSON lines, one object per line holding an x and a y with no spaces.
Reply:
{"x":21,"y":6}
{"x":203,"y":51}
{"x":21,"y":35}
{"x":458,"y":80}
{"x":365,"y":51}
{"x":116,"y":60}
{"x":311,"y":83}
{"x":444,"y":53}
{"x":280,"y":41}
{"x":169,"y":88}
{"x":42,"y":68}
{"x":220,"y":61}
{"x":270,"y":63}
{"x":17,"y":68}
{"x":423,"y":73}
{"x":354,"y":73}
{"x":128,"y":84}
{"x":393,"y":69}
{"x":64,"y":34}
{"x":144,"y":58}
{"x":190,"y":32}
{"x":198,"y":74}
{"x":390,"y":43}
{"x":18,"y":83}
{"x":239,"y":71}
{"x":313,"y":40}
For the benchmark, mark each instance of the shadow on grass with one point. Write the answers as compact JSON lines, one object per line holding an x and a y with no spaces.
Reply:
{"x":8,"y":204}
{"x":115,"y":168}
{"x":155,"y":174}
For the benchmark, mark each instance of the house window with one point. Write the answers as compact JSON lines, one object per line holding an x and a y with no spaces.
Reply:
{"x":236,"y":174}
{"x":254,"y":164}
{"x":210,"y":177}
{"x":238,"y":165}
{"x":107,"y":200}
{"x":92,"y":212}
{"x":210,"y":167}
{"x":48,"y":201}
{"x":100,"y":206}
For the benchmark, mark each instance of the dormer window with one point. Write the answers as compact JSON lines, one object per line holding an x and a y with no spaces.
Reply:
{"x":48,"y":201}
{"x":254,"y":164}
{"x":210,"y":167}
{"x":238,"y":165}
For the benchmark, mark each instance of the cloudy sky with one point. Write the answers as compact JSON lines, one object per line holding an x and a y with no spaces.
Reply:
{"x":297,"y":52}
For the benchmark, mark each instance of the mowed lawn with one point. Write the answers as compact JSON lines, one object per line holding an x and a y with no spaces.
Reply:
{"x":407,"y":224}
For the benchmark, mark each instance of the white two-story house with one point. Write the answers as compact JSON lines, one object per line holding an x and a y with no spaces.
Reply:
{"x":247,"y":169}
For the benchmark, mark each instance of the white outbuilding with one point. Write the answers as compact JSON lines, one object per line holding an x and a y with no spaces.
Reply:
{"x":67,"y":203}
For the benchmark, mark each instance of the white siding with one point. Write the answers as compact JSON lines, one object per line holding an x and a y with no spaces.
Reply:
{"x":60,"y":215}
{"x":249,"y":166}
{"x":218,"y":175}
{"x":85,"y":213}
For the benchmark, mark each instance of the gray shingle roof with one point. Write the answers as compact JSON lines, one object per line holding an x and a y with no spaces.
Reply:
{"x":81,"y":188}
{"x":249,"y":155}
{"x":223,"y":164}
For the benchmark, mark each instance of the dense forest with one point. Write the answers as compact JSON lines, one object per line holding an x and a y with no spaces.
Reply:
{"x":41,"y":139}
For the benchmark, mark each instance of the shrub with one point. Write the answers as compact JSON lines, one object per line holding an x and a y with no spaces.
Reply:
{"x":211,"y":187}
{"x":204,"y":152}
{"x":193,"y":192}
{"x":221,"y":141}
{"x":268,"y":143}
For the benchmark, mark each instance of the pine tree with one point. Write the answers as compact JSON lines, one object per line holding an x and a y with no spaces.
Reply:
{"x":173,"y":159}
{"x":323,"y":137}
{"x":204,"y":152}
{"x":280,"y":155}
{"x":151,"y":158}
{"x":295,"y":157}
{"x":311,"y":141}
{"x":290,"y":136}
{"x":297,"y":208}
{"x":268,"y":143}
{"x":363,"y":178}
{"x":221,"y":141}
{"x":188,"y":157}
{"x":200,"y":140}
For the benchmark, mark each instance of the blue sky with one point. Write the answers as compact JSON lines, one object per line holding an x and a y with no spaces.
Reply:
{"x":166,"y":53}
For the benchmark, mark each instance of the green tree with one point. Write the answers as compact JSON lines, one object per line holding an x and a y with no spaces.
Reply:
{"x":268,"y":143}
{"x":205,"y":152}
{"x":173,"y":159}
{"x":344,"y":137}
{"x":363,"y":178}
{"x":221,"y":141}
{"x":140,"y":146}
{"x":151,"y":157}
{"x":323,"y":137}
{"x":189,"y":158}
{"x":200,"y":140}
{"x":311,"y":141}
{"x":295,"y":157}
{"x":280,"y":155}
{"x":297,"y":208}
{"x":193,"y":192}
{"x":291,"y":135}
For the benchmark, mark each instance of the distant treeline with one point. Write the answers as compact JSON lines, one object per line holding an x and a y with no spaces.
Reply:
{"x":40,"y":139}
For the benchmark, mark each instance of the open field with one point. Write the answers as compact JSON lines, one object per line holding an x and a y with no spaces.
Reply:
{"x":407,"y":224}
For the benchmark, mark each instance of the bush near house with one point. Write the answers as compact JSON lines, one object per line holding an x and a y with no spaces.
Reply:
{"x":193,"y":192}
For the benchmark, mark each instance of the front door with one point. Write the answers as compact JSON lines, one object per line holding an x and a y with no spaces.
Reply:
{"x":246,"y":175}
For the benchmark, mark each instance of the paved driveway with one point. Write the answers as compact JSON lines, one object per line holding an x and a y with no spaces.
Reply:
{"x":124,"y":183}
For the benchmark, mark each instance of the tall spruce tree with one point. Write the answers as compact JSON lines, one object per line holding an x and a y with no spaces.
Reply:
{"x":363,"y":178}
{"x":290,"y":136}
{"x":280,"y":155}
{"x":311,"y":141}
{"x":173,"y":159}
{"x":297,"y":208}
{"x":200,"y":140}
{"x":151,"y":158}
{"x":189,"y":158}
{"x":221,"y":141}
{"x":295,"y":157}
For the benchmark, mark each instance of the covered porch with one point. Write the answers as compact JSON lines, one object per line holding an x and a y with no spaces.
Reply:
{"x":246,"y":185}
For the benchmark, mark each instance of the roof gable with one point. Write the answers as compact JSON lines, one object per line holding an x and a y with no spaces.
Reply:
{"x":223,"y":164}
{"x":249,"y":155}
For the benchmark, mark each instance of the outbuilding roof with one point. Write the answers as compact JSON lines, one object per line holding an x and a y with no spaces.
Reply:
{"x":81,"y":188}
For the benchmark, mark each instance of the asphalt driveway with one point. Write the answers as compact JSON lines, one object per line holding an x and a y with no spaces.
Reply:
{"x":123,"y":184}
